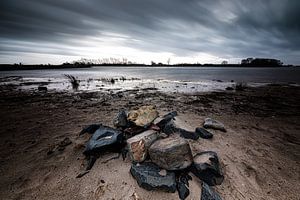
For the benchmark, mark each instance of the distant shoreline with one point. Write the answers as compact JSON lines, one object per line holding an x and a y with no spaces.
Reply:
{"x":13,"y":67}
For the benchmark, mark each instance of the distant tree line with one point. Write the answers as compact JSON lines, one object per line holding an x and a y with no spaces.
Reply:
{"x":86,"y":63}
{"x":261,"y":62}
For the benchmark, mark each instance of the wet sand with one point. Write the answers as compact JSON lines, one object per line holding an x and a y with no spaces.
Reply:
{"x":259,"y":154}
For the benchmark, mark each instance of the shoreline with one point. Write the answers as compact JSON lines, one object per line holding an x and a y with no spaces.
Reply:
{"x":121,"y":84}
{"x":259,"y":153}
{"x":13,"y":67}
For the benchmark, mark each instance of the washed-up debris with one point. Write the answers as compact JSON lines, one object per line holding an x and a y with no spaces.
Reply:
{"x":214,"y":124}
{"x":120,"y":120}
{"x":139,"y":144}
{"x":206,"y":167}
{"x":144,"y":116}
{"x":209,"y":193}
{"x":148,"y":177}
{"x":203,"y":133}
{"x":172,"y":153}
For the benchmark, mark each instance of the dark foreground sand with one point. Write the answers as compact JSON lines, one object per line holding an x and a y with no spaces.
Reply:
{"x":260,"y":152}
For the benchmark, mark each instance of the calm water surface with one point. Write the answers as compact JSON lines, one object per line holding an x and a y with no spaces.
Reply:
{"x":177,"y":79}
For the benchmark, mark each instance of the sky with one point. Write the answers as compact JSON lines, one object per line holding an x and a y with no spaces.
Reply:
{"x":193,"y":31}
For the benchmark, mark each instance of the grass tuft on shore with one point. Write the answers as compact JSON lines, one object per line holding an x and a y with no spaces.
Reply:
{"x":73,"y":81}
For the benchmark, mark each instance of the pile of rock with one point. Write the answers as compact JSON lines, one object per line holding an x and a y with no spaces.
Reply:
{"x":160,"y":152}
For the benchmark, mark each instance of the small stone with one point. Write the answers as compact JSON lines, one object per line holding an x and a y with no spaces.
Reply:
{"x":214,"y":124}
{"x":139,"y":144}
{"x":187,"y":134}
{"x":208,"y":193}
{"x":163,"y":172}
{"x":148,"y":177}
{"x":165,"y":119}
{"x":206,"y":167}
{"x":183,"y":184}
{"x":203,"y":133}
{"x":183,"y":191}
{"x":172,"y":153}
{"x":120,"y":120}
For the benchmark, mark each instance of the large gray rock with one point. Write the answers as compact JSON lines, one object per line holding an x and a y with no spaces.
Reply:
{"x":206,"y":167}
{"x":208,"y":193}
{"x":172,"y":153}
{"x":104,"y":139}
{"x":139,"y":144}
{"x":148,"y":176}
{"x":214,"y":124}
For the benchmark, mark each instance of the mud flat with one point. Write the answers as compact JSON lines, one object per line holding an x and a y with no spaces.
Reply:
{"x":259,"y":153}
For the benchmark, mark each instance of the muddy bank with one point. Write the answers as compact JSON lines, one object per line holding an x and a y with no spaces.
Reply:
{"x":259,"y":153}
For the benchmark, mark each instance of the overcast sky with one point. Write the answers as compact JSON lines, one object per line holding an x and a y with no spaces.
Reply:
{"x":204,"y":31}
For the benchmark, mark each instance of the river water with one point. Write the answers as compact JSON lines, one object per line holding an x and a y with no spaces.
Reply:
{"x":167,"y":79}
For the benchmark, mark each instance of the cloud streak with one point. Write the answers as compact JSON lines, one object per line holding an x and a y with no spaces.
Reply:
{"x":149,"y":30}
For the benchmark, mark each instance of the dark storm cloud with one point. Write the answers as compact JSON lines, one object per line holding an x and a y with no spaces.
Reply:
{"x":226,"y":29}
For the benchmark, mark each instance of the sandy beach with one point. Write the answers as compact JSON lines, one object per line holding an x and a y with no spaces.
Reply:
{"x":259,"y":153}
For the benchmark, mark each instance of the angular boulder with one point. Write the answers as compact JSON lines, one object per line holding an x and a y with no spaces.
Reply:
{"x":144,"y":116}
{"x":214,"y":124}
{"x":206,"y":167}
{"x":139,"y":144}
{"x":203,"y":133}
{"x":172,"y":153}
{"x":209,"y":193}
{"x":148,"y":176}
